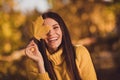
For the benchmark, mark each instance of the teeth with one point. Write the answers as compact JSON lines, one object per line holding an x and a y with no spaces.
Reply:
{"x":52,"y":39}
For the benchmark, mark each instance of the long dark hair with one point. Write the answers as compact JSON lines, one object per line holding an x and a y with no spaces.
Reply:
{"x":68,"y":50}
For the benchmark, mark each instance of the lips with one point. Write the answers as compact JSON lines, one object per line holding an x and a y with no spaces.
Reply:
{"x":52,"y":39}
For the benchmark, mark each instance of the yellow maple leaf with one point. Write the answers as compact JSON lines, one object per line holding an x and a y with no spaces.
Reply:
{"x":40,"y":30}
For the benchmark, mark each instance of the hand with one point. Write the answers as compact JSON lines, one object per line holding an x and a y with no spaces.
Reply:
{"x":33,"y":53}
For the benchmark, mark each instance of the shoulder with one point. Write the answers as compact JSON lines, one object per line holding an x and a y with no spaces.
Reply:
{"x":81,"y":51}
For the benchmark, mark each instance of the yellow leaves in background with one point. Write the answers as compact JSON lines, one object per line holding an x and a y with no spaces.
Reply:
{"x":16,"y":36}
{"x":5,"y":16}
{"x":6,"y":30}
{"x":18,"y":20}
{"x":9,"y":3}
{"x":11,"y":34}
{"x":7,"y":47}
{"x":93,"y":29}
{"x":40,"y":30}
{"x":84,"y":16}
{"x":104,"y":19}
{"x":0,"y":2}
{"x":73,"y":9}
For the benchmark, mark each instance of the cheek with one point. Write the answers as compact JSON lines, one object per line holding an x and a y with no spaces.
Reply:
{"x":60,"y":40}
{"x":61,"y":36}
{"x":46,"y":41}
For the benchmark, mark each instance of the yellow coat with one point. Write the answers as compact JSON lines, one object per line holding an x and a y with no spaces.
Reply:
{"x":83,"y":62}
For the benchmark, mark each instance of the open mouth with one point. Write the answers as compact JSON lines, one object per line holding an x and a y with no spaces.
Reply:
{"x":52,"y":40}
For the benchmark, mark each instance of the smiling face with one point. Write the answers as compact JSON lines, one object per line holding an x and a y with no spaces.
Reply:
{"x":54,"y":36}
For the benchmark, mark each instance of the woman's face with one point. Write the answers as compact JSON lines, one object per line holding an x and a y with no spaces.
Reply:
{"x":54,"y":36}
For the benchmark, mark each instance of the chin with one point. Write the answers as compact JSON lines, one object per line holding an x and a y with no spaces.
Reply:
{"x":54,"y":47}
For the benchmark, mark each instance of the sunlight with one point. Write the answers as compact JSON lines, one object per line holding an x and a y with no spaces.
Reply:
{"x":26,"y":6}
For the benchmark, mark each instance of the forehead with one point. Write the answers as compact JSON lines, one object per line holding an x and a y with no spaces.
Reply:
{"x":50,"y":21}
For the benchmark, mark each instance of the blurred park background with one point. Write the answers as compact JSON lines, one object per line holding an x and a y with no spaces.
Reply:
{"x":92,"y":23}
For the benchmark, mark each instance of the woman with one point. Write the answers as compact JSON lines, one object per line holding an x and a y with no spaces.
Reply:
{"x":55,"y":58}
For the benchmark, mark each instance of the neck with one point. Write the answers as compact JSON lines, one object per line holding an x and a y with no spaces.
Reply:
{"x":51,"y":50}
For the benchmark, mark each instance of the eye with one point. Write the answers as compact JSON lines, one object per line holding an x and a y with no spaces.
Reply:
{"x":55,"y":27}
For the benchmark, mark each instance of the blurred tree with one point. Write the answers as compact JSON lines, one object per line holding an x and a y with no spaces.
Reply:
{"x":10,"y":23}
{"x":87,"y":18}
{"x":93,"y":23}
{"x":11,"y":38}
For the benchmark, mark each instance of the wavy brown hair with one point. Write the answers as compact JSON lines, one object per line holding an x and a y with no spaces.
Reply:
{"x":68,"y":50}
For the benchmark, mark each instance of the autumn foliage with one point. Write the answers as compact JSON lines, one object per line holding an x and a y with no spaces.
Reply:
{"x":94,"y":24}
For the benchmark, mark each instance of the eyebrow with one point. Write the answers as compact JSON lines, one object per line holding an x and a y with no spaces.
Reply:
{"x":55,"y":24}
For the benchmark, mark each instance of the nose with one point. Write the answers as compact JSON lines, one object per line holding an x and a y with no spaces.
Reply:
{"x":51,"y":32}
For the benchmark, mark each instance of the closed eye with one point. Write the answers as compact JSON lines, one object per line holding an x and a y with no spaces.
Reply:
{"x":55,"y":27}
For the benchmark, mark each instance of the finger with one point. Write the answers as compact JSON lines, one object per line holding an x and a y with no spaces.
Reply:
{"x":31,"y":43}
{"x":26,"y":52}
{"x":32,"y":48}
{"x":34,"y":44}
{"x":29,"y":53}
{"x":29,"y":48}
